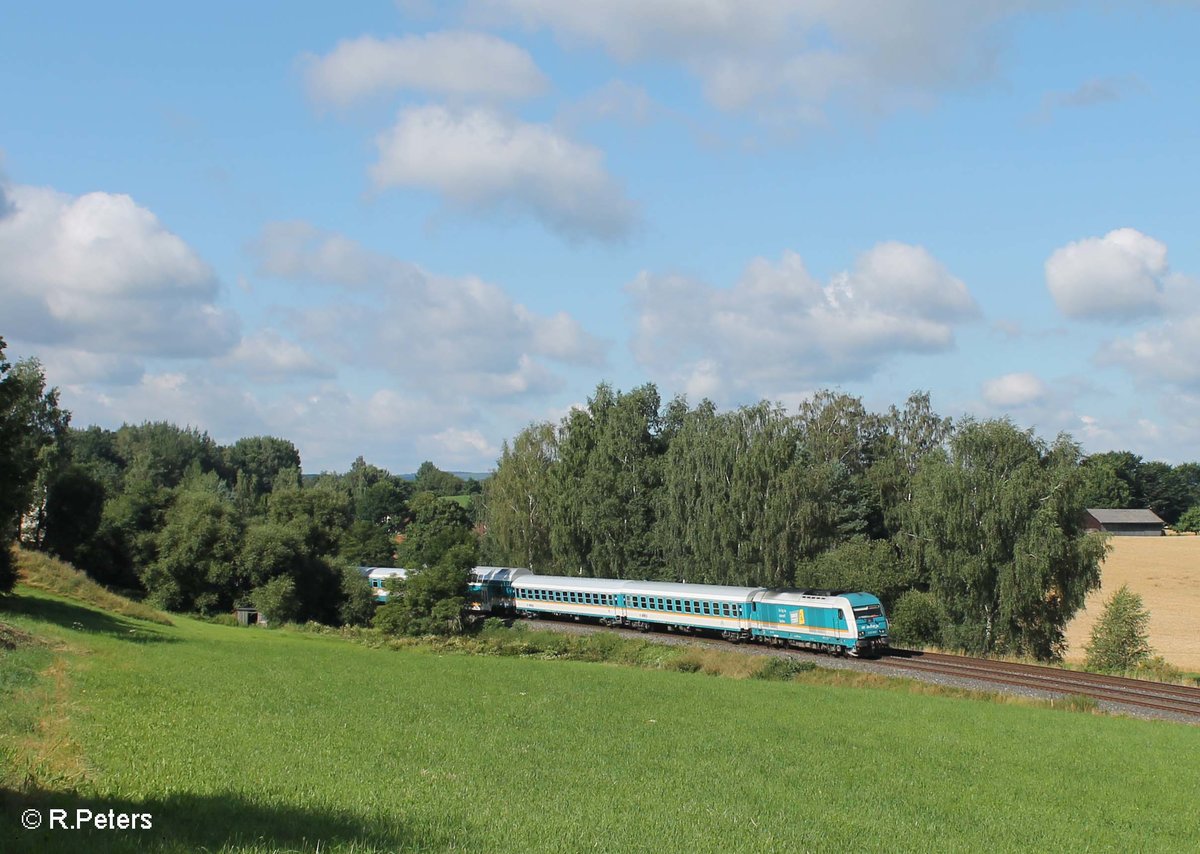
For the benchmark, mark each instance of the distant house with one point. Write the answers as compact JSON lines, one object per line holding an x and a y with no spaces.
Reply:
{"x":1124,"y":523}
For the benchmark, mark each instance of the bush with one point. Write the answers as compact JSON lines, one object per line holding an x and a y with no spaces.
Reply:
{"x":1119,"y":639}
{"x":1189,"y":521}
{"x":917,"y":619}
{"x":276,"y":600}
{"x":783,"y":669}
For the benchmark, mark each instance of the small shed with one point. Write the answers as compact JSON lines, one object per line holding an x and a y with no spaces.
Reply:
{"x":1124,"y":523}
{"x":246,"y":616}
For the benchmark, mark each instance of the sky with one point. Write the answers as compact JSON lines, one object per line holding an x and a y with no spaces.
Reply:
{"x":406,"y":230}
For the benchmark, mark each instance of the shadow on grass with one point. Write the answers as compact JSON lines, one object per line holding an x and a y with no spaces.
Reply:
{"x":202,"y":823}
{"x":81,"y":619}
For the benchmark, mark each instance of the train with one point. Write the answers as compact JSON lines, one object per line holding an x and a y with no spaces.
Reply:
{"x":841,"y":622}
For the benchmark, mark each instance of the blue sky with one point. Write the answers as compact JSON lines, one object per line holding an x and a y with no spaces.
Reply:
{"x":405,"y":230}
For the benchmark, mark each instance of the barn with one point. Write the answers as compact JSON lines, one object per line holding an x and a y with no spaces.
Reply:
{"x":1124,"y":523}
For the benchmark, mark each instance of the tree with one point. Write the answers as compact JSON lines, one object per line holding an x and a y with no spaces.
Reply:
{"x":430,"y":600}
{"x":197,"y":549}
{"x":32,"y":427}
{"x":859,"y":564}
{"x":430,"y":478}
{"x":384,"y":502}
{"x":438,"y":525}
{"x":257,"y":464}
{"x":518,"y":499}
{"x":358,"y":599}
{"x":1120,"y":639}
{"x":276,"y":600}
{"x":367,"y":544}
{"x":1190,"y":520}
{"x":1000,"y":520}
{"x":74,"y":509}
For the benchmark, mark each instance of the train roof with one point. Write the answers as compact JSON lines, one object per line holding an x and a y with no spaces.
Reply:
{"x":498,"y":573}
{"x":715,"y":592}
{"x":803,"y":597}
{"x":570,"y":582}
{"x":384,"y":571}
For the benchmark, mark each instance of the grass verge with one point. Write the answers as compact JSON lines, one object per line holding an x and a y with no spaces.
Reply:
{"x":240,"y":739}
{"x":55,"y":576}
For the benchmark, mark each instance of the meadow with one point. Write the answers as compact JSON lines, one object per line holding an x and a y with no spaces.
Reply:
{"x":247,"y":739}
{"x":1165,"y":572}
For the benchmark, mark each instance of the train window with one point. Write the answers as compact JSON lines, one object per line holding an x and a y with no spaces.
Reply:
{"x":658,"y":604}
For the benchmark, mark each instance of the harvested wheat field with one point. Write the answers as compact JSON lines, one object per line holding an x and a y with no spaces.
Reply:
{"x":1165,"y":572}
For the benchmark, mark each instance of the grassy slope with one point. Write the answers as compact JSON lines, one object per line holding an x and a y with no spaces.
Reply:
{"x":267,"y":740}
{"x":1166,"y":572}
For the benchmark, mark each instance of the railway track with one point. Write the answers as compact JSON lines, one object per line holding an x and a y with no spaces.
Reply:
{"x":1177,"y":699}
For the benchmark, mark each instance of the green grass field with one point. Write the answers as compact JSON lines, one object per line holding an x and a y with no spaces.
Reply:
{"x":249,"y":739}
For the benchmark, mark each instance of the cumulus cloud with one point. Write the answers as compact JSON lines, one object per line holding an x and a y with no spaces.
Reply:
{"x":269,"y":357}
{"x":1168,"y":352}
{"x":479,"y":159}
{"x":98,"y":273}
{"x":442,"y":335}
{"x":1014,"y":390}
{"x":790,"y":55}
{"x":330,"y":423}
{"x":1115,"y":277}
{"x":778,"y":329}
{"x":456,"y":64}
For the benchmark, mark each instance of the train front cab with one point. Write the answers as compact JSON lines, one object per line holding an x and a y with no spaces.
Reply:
{"x":871,"y":625}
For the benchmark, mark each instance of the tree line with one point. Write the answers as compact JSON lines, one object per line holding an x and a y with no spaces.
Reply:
{"x":166,"y":513}
{"x":970,"y":533}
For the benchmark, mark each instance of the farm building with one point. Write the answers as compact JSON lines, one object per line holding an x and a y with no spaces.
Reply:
{"x":1124,"y":523}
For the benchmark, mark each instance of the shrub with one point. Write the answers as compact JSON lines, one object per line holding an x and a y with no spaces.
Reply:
{"x":917,"y":619}
{"x":1190,"y":520}
{"x":1119,"y":638}
{"x":783,"y":669}
{"x":276,"y":600}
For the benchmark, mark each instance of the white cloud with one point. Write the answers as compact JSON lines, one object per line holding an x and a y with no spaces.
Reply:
{"x":331,"y":425}
{"x":1115,"y":277}
{"x":462,"y":64}
{"x":479,"y":159}
{"x":267,"y":356}
{"x":1169,"y":352}
{"x":442,"y":336}
{"x":460,"y":447}
{"x":1014,"y":390}
{"x":790,"y":56}
{"x":100,"y":274}
{"x":778,"y":329}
